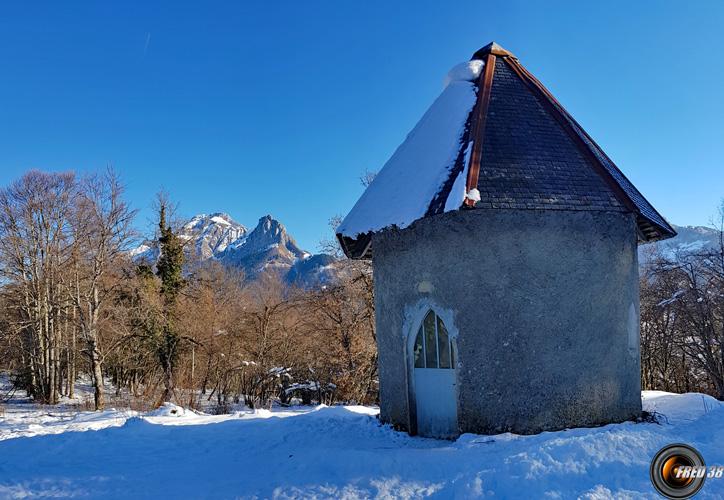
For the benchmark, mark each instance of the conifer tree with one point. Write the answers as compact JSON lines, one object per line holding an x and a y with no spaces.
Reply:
{"x":169,"y":269}
{"x":170,"y":263}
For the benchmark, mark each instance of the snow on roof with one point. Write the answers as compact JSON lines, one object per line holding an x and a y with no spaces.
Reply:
{"x":457,"y":194}
{"x":466,"y":71}
{"x":402,"y":191}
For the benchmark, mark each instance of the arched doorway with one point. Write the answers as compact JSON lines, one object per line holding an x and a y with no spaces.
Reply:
{"x":433,"y":367}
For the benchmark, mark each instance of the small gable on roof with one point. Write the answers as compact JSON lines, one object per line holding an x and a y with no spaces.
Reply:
{"x":494,"y":139}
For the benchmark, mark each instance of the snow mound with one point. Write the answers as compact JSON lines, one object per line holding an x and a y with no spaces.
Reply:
{"x":336,"y":413}
{"x":167,"y":410}
{"x":679,"y":408}
{"x":467,"y":72}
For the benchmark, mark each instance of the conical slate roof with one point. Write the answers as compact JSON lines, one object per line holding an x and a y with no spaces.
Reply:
{"x":494,"y":139}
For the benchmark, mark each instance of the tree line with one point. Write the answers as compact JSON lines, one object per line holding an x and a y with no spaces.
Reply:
{"x":75,"y":304}
{"x":682,"y":319}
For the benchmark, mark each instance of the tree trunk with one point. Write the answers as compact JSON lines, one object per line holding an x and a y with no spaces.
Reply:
{"x":97,"y":375}
{"x":167,"y":383}
{"x":193,"y":370}
{"x":71,"y":361}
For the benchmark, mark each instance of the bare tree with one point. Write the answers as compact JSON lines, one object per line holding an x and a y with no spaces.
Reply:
{"x":34,"y":252}
{"x":102,"y":232}
{"x":73,"y":301}
{"x":682,"y":313}
{"x":367,"y":177}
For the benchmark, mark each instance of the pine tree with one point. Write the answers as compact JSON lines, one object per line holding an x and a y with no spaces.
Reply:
{"x":170,"y":263}
{"x":170,"y":271}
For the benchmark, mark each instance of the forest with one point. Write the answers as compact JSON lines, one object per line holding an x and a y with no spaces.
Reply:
{"x":75,"y":306}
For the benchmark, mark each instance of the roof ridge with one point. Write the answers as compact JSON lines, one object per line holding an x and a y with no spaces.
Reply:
{"x":492,"y":48}
{"x":480,"y":114}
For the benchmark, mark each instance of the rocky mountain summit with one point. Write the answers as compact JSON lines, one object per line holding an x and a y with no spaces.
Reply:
{"x":265,"y":249}
{"x":212,"y":234}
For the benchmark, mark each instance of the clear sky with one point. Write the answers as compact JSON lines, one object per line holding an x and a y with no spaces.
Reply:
{"x":278,"y":107}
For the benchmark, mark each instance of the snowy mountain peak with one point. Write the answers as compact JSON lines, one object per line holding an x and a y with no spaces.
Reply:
{"x":218,"y":218}
{"x":211,"y":234}
{"x":267,"y":247}
{"x":204,"y":235}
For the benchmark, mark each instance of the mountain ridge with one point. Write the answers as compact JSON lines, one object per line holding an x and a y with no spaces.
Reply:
{"x":266,"y":248}
{"x":687,"y":239}
{"x":269,"y":248}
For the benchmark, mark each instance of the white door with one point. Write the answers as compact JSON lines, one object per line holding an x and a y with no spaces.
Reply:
{"x":434,"y":379}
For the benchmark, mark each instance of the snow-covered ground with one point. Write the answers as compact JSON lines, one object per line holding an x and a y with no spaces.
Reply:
{"x":336,"y":452}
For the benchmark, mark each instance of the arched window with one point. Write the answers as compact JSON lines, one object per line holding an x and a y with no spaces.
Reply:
{"x":433,"y":346}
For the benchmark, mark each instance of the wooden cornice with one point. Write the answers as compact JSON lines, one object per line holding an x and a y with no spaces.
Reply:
{"x":485,"y":83}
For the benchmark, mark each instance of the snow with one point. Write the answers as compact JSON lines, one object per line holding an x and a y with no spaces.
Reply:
{"x":240,"y":242}
{"x":679,"y":408}
{"x":140,"y":249}
{"x":403,"y":189}
{"x":672,"y":299}
{"x":219,"y":220}
{"x":466,"y":71}
{"x":473,"y":195}
{"x":331,"y":452}
{"x":168,"y":410}
{"x":45,"y":421}
{"x":195,"y":221}
{"x":457,"y":192}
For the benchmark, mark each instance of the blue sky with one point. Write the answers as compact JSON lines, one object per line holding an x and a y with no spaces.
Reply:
{"x":278,"y":107}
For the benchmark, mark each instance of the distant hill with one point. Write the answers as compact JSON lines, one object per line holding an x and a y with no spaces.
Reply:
{"x":688,"y":239}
